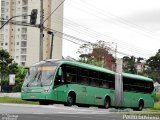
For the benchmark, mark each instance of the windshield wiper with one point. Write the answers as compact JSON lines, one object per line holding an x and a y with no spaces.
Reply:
{"x":28,"y":84}
{"x":39,"y":78}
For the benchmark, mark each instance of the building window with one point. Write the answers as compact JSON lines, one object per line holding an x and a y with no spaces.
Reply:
{"x":17,"y":50}
{"x":23,"y":57}
{"x":23,"y":63}
{"x":24,"y":30}
{"x":2,"y":10}
{"x":3,"y":3}
{"x":17,"y":43}
{"x":24,"y":2}
{"x":23,"y":51}
{"x":1,"y":44}
{"x":25,"y":9}
{"x":7,"y":3}
{"x":23,"y":44}
{"x":6,"y":43}
{"x":3,"y":16}
{"x":24,"y":37}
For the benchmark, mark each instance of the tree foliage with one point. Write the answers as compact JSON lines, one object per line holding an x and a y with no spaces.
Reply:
{"x":7,"y":65}
{"x":94,"y":53}
{"x":20,"y":75}
{"x":154,"y":66}
{"x":129,"y":64}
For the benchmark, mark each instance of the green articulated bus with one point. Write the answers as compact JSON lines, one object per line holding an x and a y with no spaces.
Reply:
{"x":69,"y":82}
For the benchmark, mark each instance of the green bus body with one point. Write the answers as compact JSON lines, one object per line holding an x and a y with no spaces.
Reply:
{"x":135,"y":87}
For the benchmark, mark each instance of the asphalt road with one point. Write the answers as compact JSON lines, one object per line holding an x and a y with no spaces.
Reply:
{"x":57,"y":112}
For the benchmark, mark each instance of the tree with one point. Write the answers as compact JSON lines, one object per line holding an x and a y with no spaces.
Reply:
{"x":129,"y":64}
{"x":154,"y":66}
{"x":20,"y":75}
{"x":95,"y":53}
{"x":7,"y":66}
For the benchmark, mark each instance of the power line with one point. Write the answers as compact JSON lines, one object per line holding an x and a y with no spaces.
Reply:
{"x":98,"y":35}
{"x":78,"y":39}
{"x":68,"y":37}
{"x":119,"y":19}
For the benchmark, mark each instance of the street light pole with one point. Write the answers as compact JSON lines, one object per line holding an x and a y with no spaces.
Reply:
{"x":11,"y":19}
{"x":41,"y":33}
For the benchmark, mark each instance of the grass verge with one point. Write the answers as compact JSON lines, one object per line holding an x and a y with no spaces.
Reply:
{"x":15,"y":100}
{"x":157,"y":106}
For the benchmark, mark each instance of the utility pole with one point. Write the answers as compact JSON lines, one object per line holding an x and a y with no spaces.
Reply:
{"x":116,"y":51}
{"x":41,"y":33}
{"x":51,"y":49}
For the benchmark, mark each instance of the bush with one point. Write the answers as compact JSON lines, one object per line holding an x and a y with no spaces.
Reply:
{"x":157,"y":98}
{"x":20,"y":75}
{"x":17,"y":88}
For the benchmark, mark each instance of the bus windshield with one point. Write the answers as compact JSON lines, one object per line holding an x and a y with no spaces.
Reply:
{"x":39,"y":76}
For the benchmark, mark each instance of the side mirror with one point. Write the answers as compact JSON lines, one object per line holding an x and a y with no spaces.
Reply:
{"x":60,"y":71}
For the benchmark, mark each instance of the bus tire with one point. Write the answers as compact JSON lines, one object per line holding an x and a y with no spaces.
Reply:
{"x":70,"y":99}
{"x":107,"y":102}
{"x":140,"y":105}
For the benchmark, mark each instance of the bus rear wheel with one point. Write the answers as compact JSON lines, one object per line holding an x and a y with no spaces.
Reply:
{"x":107,"y":103}
{"x":141,"y":105}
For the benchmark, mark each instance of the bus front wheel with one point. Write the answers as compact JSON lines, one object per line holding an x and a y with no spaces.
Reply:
{"x":107,"y":102}
{"x":70,"y":100}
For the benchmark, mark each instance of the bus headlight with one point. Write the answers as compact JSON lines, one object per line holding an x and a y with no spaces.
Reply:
{"x":47,"y":89}
{"x":22,"y":90}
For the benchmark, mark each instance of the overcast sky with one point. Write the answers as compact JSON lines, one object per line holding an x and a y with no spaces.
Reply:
{"x":133,"y":24}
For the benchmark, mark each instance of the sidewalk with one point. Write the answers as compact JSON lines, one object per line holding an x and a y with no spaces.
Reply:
{"x":15,"y":95}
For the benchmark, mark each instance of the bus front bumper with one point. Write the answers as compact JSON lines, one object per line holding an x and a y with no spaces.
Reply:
{"x":38,"y":96}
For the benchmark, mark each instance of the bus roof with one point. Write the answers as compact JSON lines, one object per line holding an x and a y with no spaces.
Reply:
{"x":92,"y":67}
{"x":137,"y":77}
{"x":87,"y":66}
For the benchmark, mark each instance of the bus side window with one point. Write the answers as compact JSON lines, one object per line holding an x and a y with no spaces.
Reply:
{"x":68,"y":77}
{"x":82,"y":76}
{"x":105,"y":84}
{"x":71,"y":74}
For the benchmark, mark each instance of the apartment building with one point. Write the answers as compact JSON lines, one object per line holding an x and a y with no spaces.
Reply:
{"x":22,"y":42}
